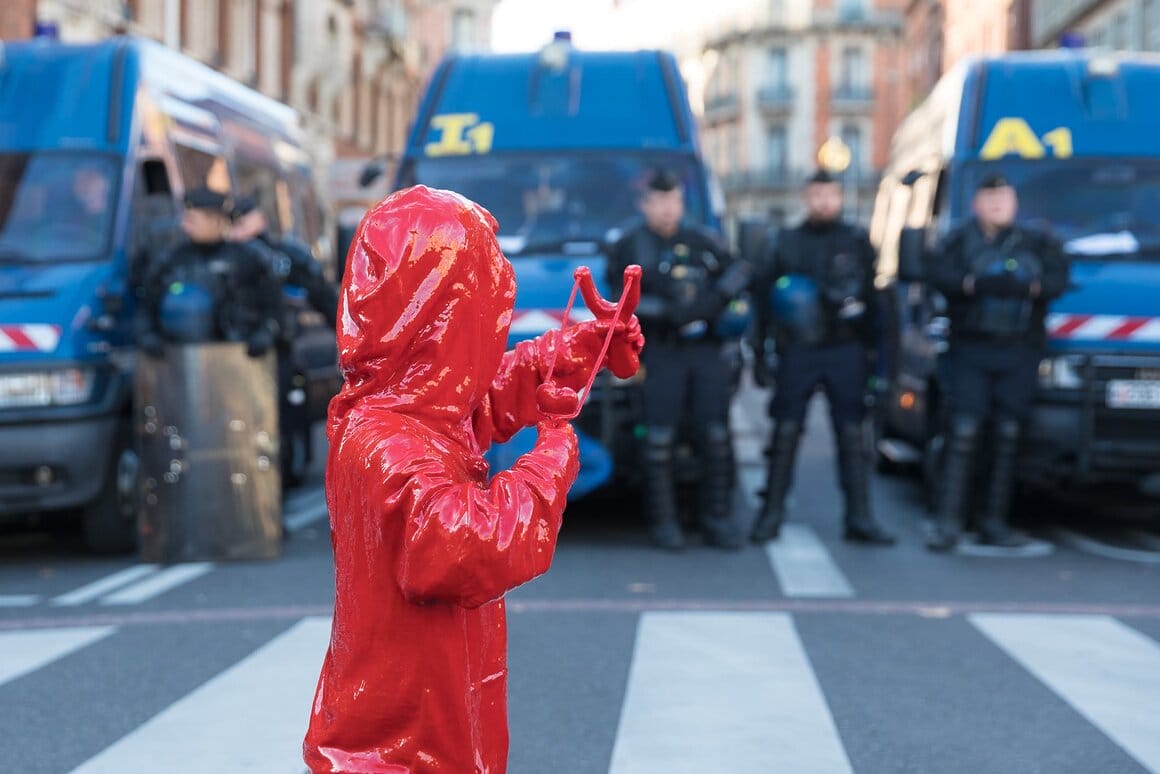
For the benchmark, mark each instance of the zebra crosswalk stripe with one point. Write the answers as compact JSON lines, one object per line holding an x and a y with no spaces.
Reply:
{"x":724,"y":692}
{"x":706,"y":691}
{"x":803,"y":566}
{"x":157,"y":584}
{"x":22,"y":652}
{"x":250,"y":718}
{"x":1106,"y":671}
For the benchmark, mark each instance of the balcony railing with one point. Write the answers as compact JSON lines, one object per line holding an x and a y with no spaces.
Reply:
{"x":770,"y":178}
{"x":852,"y":97}
{"x":776,"y":97}
{"x":721,"y":107}
{"x":873,"y":20}
{"x":785,"y":178}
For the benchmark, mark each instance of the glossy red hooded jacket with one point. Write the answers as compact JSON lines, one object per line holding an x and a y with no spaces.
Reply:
{"x":425,"y":544}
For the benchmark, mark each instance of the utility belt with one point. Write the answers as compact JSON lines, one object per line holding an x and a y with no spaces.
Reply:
{"x":999,"y":318}
{"x":670,"y":335}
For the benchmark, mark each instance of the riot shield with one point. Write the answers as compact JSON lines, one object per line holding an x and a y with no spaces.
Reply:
{"x":206,"y":418}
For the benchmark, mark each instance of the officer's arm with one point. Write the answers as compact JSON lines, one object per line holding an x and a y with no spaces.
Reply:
{"x":946,"y":270}
{"x":307,"y":274}
{"x":260,"y":272}
{"x":873,"y":323}
{"x":727,"y":279}
{"x":764,"y":276}
{"x":150,"y":291}
{"x":1056,"y":271}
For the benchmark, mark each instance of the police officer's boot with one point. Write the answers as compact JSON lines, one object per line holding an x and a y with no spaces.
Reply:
{"x":660,"y":489}
{"x":781,"y":458}
{"x":716,"y":489}
{"x":993,"y":529}
{"x":956,"y":484}
{"x":854,"y":472}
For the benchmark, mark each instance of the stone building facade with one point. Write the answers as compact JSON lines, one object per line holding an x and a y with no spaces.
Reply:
{"x":795,"y":77}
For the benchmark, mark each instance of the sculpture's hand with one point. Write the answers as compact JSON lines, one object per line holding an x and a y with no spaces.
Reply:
{"x":556,"y":403}
{"x":627,"y":340}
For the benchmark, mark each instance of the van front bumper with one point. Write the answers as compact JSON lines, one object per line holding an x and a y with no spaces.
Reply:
{"x":1073,"y":443}
{"x":54,"y":465}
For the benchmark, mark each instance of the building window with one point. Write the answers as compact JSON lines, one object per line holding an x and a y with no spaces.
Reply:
{"x":1120,"y":40}
{"x":241,"y":37}
{"x":270,"y":68}
{"x":778,"y":67}
{"x":852,"y":69}
{"x":776,"y":151}
{"x":777,"y":12}
{"x":1151,"y":25}
{"x":852,"y":10}
{"x":852,"y":138}
{"x":201,"y":35}
{"x":462,"y":29}
{"x":151,"y":17}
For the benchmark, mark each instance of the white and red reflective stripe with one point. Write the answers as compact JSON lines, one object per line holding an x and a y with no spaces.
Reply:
{"x":1103,"y":327}
{"x":29,"y":338}
{"x":536,"y":321}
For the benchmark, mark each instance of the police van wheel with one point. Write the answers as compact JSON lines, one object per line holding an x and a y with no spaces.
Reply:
{"x":110,"y":521}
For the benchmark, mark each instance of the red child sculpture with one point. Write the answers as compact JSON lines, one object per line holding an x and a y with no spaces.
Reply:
{"x":425,"y":546}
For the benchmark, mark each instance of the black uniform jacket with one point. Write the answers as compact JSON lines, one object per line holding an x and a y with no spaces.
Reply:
{"x":952,"y":259}
{"x":247,"y":296}
{"x":812,"y":249}
{"x":679,"y":280}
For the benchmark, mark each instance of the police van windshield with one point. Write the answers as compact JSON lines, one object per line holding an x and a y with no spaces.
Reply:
{"x":1097,"y":207}
{"x":55,"y":206}
{"x":550,"y":203}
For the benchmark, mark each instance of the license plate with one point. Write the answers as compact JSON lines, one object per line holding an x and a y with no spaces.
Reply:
{"x":1133,"y":393}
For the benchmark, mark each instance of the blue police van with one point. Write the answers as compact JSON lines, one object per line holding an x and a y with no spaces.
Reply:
{"x":98,"y":143}
{"x":557,"y":145}
{"x":1075,"y":132}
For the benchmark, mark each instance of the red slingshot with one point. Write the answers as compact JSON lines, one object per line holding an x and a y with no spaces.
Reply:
{"x":562,"y":402}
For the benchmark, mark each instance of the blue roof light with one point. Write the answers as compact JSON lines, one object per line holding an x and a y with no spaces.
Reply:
{"x":47,"y":29}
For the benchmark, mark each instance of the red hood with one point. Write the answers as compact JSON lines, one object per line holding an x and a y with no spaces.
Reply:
{"x":425,"y":308}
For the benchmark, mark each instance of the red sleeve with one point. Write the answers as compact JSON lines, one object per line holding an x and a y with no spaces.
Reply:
{"x":468,"y":544}
{"x":523,"y":369}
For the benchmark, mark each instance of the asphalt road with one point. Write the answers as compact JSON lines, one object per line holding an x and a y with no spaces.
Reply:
{"x":809,"y":655}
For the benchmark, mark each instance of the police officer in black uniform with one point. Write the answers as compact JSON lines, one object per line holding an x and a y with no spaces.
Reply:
{"x":688,"y":280}
{"x":291,"y":261}
{"x":831,"y":347}
{"x":998,"y":277}
{"x":242,"y":293}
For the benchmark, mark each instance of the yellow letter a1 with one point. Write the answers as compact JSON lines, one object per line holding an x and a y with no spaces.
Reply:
{"x":1011,"y":135}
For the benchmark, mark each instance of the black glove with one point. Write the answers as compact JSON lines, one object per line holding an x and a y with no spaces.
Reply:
{"x":1003,"y":285}
{"x":259,"y":343}
{"x":706,"y":306}
{"x":152,"y":345}
{"x":761,"y":375}
{"x":764,"y":368}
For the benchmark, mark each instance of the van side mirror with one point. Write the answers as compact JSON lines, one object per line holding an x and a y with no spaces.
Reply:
{"x":912,"y":177}
{"x":912,"y":255}
{"x":370,"y":173}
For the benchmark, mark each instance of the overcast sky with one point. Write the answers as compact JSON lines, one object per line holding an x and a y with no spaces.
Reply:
{"x":526,"y":25}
